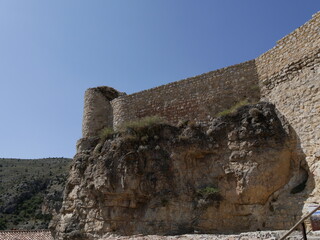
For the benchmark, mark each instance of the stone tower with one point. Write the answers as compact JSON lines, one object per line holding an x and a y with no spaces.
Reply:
{"x":98,"y":112}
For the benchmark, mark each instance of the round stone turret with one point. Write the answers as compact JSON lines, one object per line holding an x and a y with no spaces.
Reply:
{"x":98,"y":112}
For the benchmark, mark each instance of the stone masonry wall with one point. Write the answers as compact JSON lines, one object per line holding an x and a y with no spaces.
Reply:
{"x":289,"y":76}
{"x":98,"y":111}
{"x":198,"y":98}
{"x":290,"y":48}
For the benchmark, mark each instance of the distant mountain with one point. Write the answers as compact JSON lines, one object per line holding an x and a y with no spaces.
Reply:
{"x":31,"y":191}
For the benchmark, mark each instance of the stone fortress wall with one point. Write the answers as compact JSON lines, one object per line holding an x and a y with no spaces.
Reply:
{"x":198,"y":98}
{"x":201,"y":97}
{"x":286,"y":75}
{"x":289,"y":77}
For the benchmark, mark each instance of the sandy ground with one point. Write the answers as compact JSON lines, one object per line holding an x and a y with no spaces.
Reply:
{"x":270,"y":235}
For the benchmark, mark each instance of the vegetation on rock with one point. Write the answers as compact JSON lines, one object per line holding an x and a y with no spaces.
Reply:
{"x":105,"y":133}
{"x":31,"y":191}
{"x":138,"y":124}
{"x":233,"y":109}
{"x":207,"y":191}
{"x":153,"y":177}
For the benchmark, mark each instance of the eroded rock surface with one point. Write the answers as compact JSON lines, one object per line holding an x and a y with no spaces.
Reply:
{"x":162,"y":179}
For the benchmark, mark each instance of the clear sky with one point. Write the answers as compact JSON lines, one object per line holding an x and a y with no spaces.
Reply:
{"x":52,"y":51}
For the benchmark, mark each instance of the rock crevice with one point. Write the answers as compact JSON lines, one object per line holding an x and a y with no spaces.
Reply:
{"x":234,"y":176}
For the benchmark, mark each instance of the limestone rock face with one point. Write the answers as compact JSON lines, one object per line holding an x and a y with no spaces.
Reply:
{"x":160,"y":179}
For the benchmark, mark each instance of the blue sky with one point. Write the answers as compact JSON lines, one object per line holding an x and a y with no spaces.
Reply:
{"x":52,"y":51}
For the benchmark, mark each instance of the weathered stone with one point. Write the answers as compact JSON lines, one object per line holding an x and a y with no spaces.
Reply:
{"x":265,"y":166}
{"x":86,"y":144}
{"x":98,"y":112}
{"x":185,"y":185}
{"x":259,"y":235}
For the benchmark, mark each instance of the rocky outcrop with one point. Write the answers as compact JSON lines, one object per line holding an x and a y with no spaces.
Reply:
{"x":234,"y":176}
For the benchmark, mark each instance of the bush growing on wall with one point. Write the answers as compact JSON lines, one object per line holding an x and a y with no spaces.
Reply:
{"x":106,"y":132}
{"x":142,"y":123}
{"x":233,"y":109}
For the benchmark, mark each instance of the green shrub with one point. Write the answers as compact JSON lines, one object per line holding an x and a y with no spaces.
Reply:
{"x":28,"y":207}
{"x":16,"y":221}
{"x":207,"y":196}
{"x":233,"y":109}
{"x":3,"y":224}
{"x":207,"y":191}
{"x":141,"y":123}
{"x":106,"y":132}
{"x":45,"y":217}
